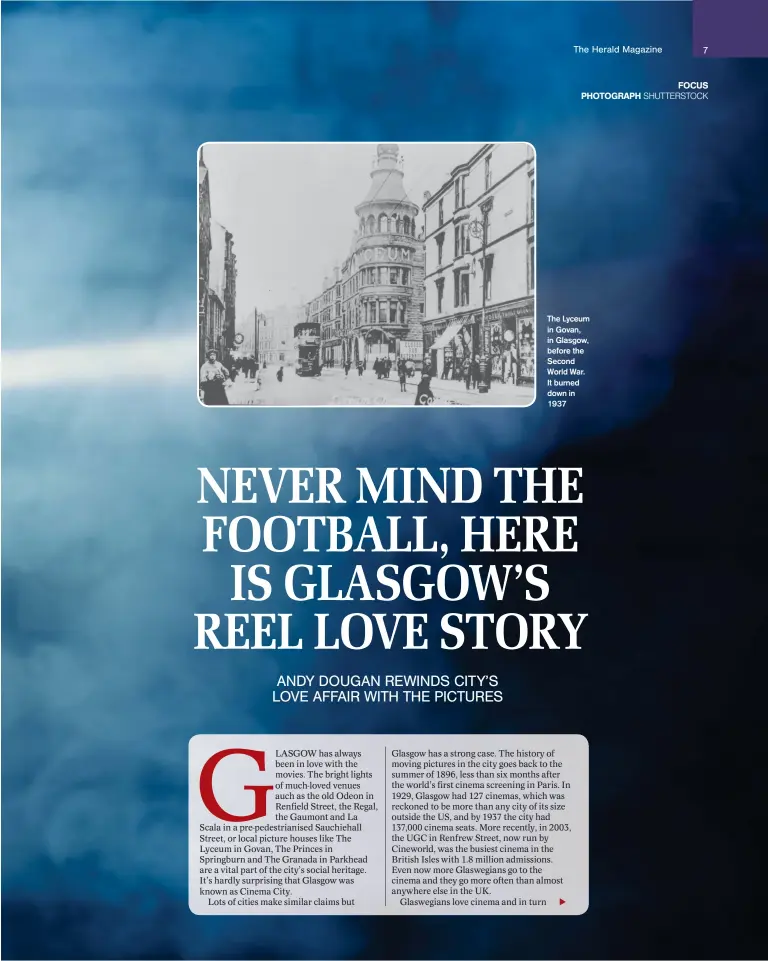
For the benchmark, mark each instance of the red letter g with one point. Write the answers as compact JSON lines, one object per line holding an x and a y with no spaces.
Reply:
{"x":259,"y":790}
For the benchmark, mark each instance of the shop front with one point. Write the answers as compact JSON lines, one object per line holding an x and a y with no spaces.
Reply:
{"x":447,"y":345}
{"x":380,"y":344}
{"x":509,"y":341}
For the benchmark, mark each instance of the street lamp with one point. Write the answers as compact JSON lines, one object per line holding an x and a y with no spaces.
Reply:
{"x":479,"y":228}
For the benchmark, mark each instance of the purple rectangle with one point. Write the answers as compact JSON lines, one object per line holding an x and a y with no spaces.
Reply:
{"x":730,"y":28}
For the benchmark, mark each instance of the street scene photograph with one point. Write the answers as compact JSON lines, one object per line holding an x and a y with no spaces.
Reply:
{"x":364,"y":274}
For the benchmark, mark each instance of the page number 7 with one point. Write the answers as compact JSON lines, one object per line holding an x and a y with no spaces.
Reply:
{"x":705,"y":49}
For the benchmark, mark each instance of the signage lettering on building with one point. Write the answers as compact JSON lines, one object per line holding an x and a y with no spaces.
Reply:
{"x":510,"y":313}
{"x":378,"y":254}
{"x":411,"y":348}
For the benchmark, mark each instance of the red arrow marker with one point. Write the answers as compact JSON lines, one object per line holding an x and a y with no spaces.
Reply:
{"x":561,"y":901}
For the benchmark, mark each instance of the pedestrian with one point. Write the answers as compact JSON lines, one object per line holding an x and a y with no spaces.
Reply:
{"x":513,"y":364}
{"x":280,"y":375}
{"x":360,"y":366}
{"x":403,"y":375}
{"x":467,"y":372}
{"x":475,"y":370}
{"x":258,"y":379}
{"x":424,"y":395}
{"x":213,"y":374}
{"x":347,"y":365}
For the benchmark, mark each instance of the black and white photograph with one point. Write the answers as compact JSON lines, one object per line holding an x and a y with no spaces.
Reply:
{"x":365,"y":274}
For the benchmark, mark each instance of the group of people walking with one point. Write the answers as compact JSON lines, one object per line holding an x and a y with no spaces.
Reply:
{"x":214,"y":376}
{"x":474,"y":370}
{"x":361,"y":365}
{"x":382,"y":367}
{"x":468,"y":370}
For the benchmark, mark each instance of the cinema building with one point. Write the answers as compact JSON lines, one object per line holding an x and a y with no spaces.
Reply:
{"x":373,"y":304}
{"x":480,"y":272}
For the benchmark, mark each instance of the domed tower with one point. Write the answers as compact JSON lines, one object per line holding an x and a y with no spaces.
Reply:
{"x":388,"y":264}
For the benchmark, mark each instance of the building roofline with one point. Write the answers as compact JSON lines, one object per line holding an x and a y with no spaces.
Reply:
{"x":465,"y":167}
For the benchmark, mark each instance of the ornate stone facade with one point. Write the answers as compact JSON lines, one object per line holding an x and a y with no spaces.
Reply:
{"x":376,"y":299}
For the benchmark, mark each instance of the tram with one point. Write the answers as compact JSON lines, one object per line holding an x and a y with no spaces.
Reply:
{"x":307,"y":336}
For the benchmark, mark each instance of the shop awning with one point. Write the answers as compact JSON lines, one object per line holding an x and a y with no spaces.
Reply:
{"x":447,"y":336}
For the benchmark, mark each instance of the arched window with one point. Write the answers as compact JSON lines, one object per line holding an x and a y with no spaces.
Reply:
{"x":399,"y":225}
{"x":371,"y":225}
{"x":383,"y":223}
{"x":406,"y":225}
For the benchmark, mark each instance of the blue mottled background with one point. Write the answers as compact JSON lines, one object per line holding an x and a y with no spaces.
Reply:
{"x":652,"y":219}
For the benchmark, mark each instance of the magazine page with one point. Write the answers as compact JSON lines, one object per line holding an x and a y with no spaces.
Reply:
{"x":384,"y":449}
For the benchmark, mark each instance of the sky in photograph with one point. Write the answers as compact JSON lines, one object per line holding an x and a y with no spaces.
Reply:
{"x":290,"y":208}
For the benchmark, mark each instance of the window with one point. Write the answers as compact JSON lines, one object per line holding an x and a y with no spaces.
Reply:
{"x":440,"y":213}
{"x":440,"y":285}
{"x":532,"y":267}
{"x":393,"y":311}
{"x":464,"y":289}
{"x":461,"y":239}
{"x":487,"y":276}
{"x":533,"y":199}
{"x":383,"y":224}
{"x":457,"y":192}
{"x":440,"y":240}
{"x":394,"y":275}
{"x":464,"y":190}
{"x":488,"y":173}
{"x":461,"y":288}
